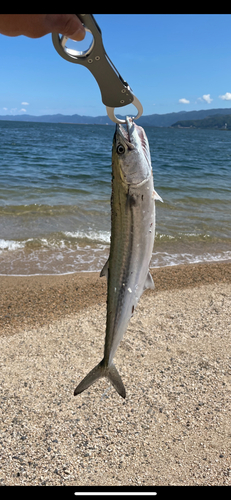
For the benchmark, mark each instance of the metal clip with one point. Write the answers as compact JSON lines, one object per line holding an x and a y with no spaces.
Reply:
{"x":115,"y":92}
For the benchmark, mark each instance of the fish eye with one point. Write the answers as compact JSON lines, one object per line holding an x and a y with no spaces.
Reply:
{"x":120,"y":149}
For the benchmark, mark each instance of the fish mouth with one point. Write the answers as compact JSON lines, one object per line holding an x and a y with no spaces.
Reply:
{"x":126,"y":133}
{"x":135,"y":138}
{"x":133,"y":135}
{"x":136,"y":164}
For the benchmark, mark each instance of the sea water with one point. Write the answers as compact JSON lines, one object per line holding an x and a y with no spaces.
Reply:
{"x":55,"y":189}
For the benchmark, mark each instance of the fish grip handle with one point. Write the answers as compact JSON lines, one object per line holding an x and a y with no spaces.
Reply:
{"x":115,"y":91}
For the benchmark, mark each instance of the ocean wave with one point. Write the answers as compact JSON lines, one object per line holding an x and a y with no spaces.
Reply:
{"x":186,"y":237}
{"x":67,"y":241}
{"x":164,"y":259}
{"x":10,"y":245}
{"x":91,"y":238}
{"x":40,"y":262}
{"x":96,"y":236}
{"x":67,"y":255}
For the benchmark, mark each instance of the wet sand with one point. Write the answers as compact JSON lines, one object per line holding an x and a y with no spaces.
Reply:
{"x":28,"y":301}
{"x":173,"y":427}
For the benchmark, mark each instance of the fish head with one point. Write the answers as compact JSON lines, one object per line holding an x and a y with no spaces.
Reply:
{"x":131,"y":153}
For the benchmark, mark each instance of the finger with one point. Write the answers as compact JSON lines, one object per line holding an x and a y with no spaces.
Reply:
{"x":68,"y":25}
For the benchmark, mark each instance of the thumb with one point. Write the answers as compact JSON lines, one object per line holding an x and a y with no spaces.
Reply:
{"x":68,"y":25}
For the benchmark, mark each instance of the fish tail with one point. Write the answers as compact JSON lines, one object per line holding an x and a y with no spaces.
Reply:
{"x":100,"y":371}
{"x":116,"y":380}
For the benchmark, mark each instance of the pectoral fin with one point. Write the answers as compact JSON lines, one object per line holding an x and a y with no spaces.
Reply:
{"x":157,"y":196}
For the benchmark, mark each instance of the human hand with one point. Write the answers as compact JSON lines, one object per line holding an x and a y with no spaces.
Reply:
{"x":37,"y":25}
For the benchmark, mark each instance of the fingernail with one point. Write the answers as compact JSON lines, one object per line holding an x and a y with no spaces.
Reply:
{"x":79,"y":34}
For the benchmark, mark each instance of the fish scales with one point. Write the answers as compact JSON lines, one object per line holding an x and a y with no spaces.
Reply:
{"x":132,"y":217}
{"x":132,"y":239}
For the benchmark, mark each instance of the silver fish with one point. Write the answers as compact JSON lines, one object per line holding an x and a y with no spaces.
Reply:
{"x":132,"y":238}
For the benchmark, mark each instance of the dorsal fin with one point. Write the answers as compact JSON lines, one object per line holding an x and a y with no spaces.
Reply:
{"x":104,"y":271}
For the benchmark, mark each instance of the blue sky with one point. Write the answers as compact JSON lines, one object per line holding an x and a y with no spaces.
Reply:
{"x":172,"y":62}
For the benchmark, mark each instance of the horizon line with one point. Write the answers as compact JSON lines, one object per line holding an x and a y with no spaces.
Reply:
{"x":103,"y":116}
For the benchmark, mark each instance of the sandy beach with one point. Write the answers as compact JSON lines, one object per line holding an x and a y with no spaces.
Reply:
{"x":174,"y":426}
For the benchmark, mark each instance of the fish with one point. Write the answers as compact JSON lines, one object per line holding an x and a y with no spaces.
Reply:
{"x":132,"y":239}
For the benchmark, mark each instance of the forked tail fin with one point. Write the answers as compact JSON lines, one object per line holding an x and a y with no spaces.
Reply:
{"x":100,"y":371}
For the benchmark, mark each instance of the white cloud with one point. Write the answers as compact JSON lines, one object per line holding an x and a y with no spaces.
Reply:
{"x":25,"y":103}
{"x":24,"y":110}
{"x":226,"y":97}
{"x":207,"y":98}
{"x":5,"y":109}
{"x":184,"y":101}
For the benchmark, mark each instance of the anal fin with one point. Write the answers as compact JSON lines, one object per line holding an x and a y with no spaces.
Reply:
{"x":149,"y":283}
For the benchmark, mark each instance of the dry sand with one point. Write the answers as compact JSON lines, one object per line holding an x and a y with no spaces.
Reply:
{"x":174,"y":426}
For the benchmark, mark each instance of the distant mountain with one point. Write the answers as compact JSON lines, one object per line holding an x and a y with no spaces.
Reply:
{"x":222,"y":122}
{"x":155,"y":120}
{"x":59,"y":118}
{"x":168,"y":119}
